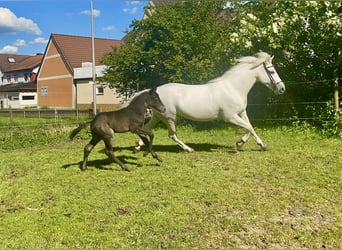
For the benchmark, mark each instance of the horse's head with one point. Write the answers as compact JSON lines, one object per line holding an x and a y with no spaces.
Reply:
{"x":267,"y":73}
{"x":153,"y":101}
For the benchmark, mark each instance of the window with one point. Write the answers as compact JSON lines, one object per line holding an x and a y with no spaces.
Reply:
{"x":13,"y":98}
{"x":99,"y":90}
{"x":44,"y":90}
{"x":11,"y":59}
{"x":27,"y":97}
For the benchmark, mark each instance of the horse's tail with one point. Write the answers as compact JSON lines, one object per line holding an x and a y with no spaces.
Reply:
{"x":78,"y":129}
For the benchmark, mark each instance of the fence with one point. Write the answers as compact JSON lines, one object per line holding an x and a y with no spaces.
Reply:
{"x":46,"y":113}
{"x":265,"y":112}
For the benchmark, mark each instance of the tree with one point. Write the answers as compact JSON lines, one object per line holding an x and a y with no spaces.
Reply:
{"x":196,"y":40}
{"x":180,"y":43}
{"x":304,"y":36}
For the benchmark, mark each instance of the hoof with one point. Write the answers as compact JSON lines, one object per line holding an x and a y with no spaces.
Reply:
{"x":239,"y":145}
{"x":158,"y":158}
{"x":264,"y":147}
{"x":190,"y":150}
{"x":136,"y":149}
{"x":126,"y":169}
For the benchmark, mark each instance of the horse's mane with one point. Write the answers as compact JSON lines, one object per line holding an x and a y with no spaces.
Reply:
{"x":245,"y":62}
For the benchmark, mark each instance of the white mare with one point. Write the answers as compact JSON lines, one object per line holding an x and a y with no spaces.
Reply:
{"x":222,"y":98}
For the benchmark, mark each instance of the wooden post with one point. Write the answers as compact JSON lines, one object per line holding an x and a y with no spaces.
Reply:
{"x":336,"y":96}
{"x":11,"y":115}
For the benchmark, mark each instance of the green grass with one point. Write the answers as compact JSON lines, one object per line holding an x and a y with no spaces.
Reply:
{"x":288,"y":197}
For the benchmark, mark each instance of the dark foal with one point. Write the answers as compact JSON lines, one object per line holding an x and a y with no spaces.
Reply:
{"x":129,"y":118}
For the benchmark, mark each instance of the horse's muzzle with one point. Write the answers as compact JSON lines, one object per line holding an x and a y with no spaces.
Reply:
{"x":280,"y":88}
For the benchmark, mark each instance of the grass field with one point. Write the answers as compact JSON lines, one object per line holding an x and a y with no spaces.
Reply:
{"x":288,"y":197}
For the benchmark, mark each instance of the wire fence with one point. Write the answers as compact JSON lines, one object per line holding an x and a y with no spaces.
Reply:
{"x":281,"y":112}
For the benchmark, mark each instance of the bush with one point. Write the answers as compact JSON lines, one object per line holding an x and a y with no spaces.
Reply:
{"x":327,"y":121}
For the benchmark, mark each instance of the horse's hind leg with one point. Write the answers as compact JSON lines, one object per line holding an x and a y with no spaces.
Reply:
{"x":87,"y":149}
{"x":173,"y":135}
{"x":109,"y":152}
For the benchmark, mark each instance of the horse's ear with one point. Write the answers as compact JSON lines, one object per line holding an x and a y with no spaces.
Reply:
{"x":257,"y":63}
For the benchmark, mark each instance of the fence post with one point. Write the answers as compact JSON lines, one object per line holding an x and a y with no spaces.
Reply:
{"x":56,"y":115}
{"x":336,"y":94}
{"x":11,"y":115}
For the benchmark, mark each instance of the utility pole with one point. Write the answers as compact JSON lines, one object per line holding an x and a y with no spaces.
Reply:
{"x":93,"y":56}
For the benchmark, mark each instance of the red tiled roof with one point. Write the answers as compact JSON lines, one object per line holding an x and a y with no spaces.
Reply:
{"x":27,"y":63}
{"x":77,"y":49}
{"x":5,"y":63}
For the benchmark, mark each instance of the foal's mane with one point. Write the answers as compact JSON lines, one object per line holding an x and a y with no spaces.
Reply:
{"x":133,"y":98}
{"x":244,"y":62}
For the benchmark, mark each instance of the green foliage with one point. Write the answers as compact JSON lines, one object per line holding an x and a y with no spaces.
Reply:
{"x":182,"y":43}
{"x":194,"y":41}
{"x":330,"y":122}
{"x":215,"y":198}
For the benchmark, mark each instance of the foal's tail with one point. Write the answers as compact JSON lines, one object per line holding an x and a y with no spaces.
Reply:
{"x":78,"y":129}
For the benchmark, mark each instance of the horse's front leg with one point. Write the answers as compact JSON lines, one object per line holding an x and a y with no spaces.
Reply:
{"x":243,"y":121}
{"x":141,"y":133}
{"x":242,"y":141}
{"x":149,"y":125}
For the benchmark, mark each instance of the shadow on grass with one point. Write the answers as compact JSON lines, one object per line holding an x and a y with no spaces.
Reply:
{"x":198,"y":147}
{"x":105,"y":163}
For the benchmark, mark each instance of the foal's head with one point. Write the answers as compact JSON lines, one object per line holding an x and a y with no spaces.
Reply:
{"x":153,"y":101}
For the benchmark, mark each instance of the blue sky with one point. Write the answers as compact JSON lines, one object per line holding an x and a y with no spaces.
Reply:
{"x":26,"y":25}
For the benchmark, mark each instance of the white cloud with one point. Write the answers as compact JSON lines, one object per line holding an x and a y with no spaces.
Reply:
{"x":19,"y":42}
{"x":108,"y":28}
{"x":132,"y":10}
{"x":39,"y":40}
{"x":10,"y":23}
{"x":9,"y":49}
{"x":133,"y":2}
{"x":96,"y":13}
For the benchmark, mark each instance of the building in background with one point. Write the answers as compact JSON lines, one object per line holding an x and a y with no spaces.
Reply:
{"x":66,"y":72}
{"x":18,"y":80}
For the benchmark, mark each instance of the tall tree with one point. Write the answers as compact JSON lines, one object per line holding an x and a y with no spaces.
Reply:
{"x":181,"y":42}
{"x":305,"y":36}
{"x":193,"y":41}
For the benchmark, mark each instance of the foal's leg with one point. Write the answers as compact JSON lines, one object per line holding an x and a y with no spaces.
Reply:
{"x":109,"y":152}
{"x":87,"y":149}
{"x":144,"y":131}
{"x":149,"y":125}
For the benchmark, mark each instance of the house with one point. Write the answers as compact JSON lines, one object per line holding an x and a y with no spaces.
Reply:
{"x":18,"y":80}
{"x":65,"y":75}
